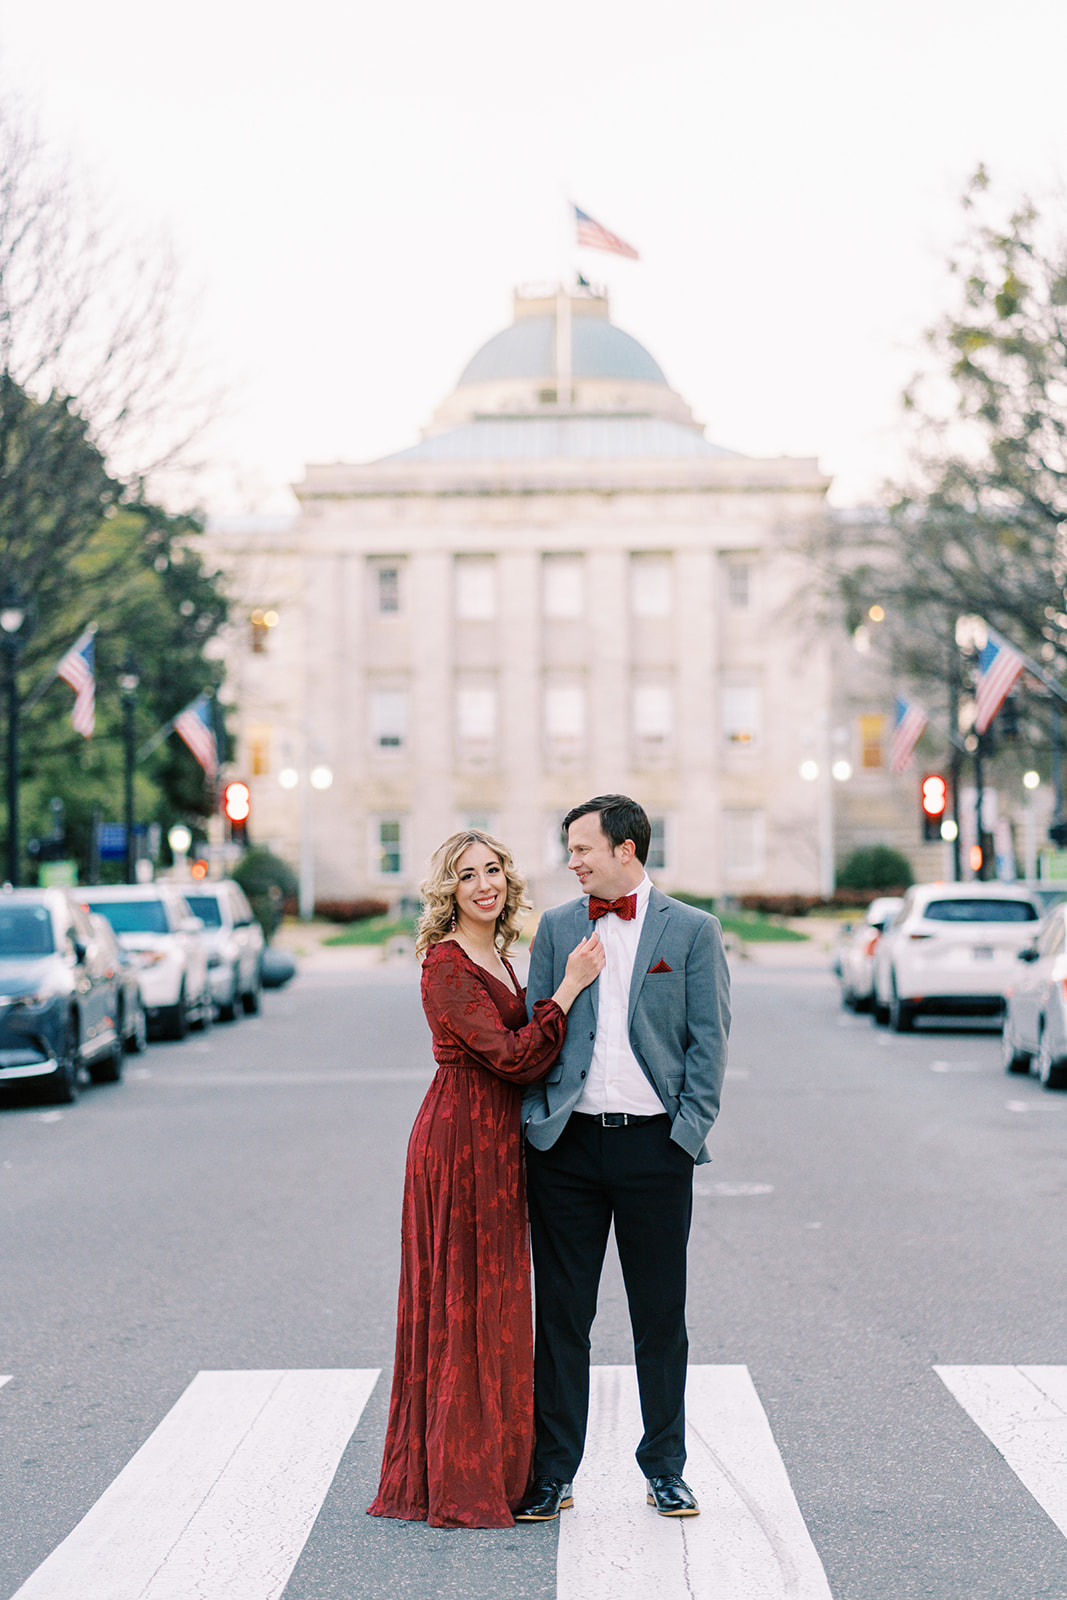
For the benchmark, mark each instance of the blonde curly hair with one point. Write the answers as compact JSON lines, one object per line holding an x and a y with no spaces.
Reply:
{"x":439,"y":890}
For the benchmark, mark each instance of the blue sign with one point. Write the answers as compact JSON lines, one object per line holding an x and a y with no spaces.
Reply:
{"x":111,"y":841}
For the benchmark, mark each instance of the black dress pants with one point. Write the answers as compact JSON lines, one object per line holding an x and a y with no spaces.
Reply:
{"x":639,"y":1179}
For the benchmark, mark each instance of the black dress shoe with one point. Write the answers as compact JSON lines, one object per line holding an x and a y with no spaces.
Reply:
{"x":544,"y":1500}
{"x":672,"y":1496}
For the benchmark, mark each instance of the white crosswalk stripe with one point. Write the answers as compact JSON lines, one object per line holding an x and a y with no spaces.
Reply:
{"x":1023,"y":1412}
{"x":750,"y":1541}
{"x":220,"y":1499}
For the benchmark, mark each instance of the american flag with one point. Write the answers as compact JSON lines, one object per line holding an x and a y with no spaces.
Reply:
{"x":910,"y":722}
{"x":76,"y":668}
{"x":597,"y":238}
{"x":197,"y":728}
{"x":998,"y":667}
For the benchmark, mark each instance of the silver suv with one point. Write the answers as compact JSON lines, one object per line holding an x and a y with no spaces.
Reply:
{"x":234,"y":943}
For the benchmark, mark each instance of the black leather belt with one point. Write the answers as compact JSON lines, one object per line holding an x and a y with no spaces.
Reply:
{"x":618,"y":1119}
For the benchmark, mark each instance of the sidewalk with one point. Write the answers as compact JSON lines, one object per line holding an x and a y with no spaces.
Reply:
{"x":306,"y":942}
{"x":821,"y":938}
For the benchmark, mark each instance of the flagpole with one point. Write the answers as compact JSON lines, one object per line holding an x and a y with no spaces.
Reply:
{"x":563,"y":322}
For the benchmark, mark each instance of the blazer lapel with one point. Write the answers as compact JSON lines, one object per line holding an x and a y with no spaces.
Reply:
{"x":655,"y":925}
{"x":582,"y":930}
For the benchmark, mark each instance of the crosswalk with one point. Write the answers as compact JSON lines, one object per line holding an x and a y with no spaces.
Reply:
{"x":221,"y":1498}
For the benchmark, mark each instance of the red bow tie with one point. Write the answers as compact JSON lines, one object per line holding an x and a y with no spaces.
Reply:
{"x":625,"y":907}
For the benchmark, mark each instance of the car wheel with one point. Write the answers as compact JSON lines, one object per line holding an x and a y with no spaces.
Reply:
{"x":1014,"y":1059}
{"x":176,"y":1018}
{"x":64,"y":1086}
{"x":251,"y":999}
{"x":109,"y":1068}
{"x":1052,"y":1070}
{"x":205,"y":1011}
{"x":228,"y":1008}
{"x":136,"y":1041}
{"x":901,"y":1014}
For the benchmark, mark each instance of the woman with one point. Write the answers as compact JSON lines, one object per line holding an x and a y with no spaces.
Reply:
{"x":460,"y":1436}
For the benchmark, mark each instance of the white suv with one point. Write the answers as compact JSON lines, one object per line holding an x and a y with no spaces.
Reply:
{"x":153,"y":922}
{"x":234,"y":943}
{"x":951,"y":949}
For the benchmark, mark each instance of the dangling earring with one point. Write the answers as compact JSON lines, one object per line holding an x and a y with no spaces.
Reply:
{"x":452,"y":924}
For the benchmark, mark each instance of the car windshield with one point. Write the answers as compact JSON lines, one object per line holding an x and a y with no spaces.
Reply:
{"x":207,"y":908}
{"x":132,"y":916}
{"x":980,"y":911}
{"x":25,"y":931}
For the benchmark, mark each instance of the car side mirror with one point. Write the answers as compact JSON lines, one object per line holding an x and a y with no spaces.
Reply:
{"x":191,"y":925}
{"x":80,"y":951}
{"x":1029,"y":954}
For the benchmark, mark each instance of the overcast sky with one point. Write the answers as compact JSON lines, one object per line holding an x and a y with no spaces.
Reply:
{"x":358,"y":189}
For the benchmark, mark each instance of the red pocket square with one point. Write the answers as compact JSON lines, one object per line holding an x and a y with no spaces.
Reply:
{"x":661,"y":966}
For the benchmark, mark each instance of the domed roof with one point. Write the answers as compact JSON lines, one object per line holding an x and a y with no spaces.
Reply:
{"x":528,"y":350}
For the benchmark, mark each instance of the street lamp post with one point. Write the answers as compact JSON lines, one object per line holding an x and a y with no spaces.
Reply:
{"x":128,"y":682}
{"x":319,"y":777}
{"x":12,"y":616}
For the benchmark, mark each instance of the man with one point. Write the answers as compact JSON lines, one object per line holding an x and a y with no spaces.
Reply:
{"x":612,"y":1135}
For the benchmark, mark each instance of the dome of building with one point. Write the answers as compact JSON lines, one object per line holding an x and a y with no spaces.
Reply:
{"x":528,"y":350}
{"x":561,"y":381}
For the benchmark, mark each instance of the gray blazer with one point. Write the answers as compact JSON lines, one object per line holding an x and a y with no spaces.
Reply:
{"x":679,"y":1020}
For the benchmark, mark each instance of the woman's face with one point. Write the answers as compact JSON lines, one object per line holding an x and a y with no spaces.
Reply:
{"x":482,"y":887}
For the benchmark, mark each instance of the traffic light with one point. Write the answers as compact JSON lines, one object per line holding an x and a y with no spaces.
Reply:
{"x":934,"y":796}
{"x":237,"y":807}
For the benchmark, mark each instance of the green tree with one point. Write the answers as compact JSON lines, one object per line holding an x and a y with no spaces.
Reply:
{"x":981,"y":529}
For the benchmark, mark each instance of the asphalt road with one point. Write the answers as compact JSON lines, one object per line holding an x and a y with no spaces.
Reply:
{"x":877,"y":1206}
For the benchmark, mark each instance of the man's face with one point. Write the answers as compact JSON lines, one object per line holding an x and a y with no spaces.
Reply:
{"x":600,"y":870}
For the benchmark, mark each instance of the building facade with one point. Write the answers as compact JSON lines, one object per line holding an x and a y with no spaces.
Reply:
{"x":563,"y":589}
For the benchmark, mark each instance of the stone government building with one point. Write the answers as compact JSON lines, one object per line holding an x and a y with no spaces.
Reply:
{"x":563,"y":589}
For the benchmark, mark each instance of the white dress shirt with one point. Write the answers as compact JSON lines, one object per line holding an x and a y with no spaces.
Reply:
{"x":616,"y":1081}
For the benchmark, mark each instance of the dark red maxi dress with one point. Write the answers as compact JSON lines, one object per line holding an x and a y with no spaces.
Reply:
{"x":460,"y":1436}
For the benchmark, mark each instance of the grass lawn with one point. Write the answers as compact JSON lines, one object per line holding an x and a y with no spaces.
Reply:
{"x":374,"y":930}
{"x":752,"y":928}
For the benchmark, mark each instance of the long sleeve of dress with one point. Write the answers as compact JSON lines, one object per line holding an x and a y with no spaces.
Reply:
{"x":465,"y":1025}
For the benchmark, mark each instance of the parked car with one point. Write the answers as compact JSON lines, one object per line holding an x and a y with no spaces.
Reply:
{"x":153,"y":922}
{"x":131,"y":1022}
{"x":58,"y":994}
{"x":1035,"y":1016}
{"x":951,"y":950}
{"x":234,"y":943}
{"x":855,"y":954}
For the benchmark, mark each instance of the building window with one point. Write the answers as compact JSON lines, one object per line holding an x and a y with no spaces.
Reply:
{"x":388,"y":589}
{"x":872,"y":742}
{"x":475,"y":588}
{"x":653,"y":707}
{"x":557,"y":853}
{"x":741,"y":714}
{"x":259,"y":751}
{"x":478,"y":819}
{"x":657,"y":849}
{"x":650,"y":585}
{"x":563,"y":586}
{"x":475,"y":715}
{"x":743,"y":849}
{"x":389,"y":847}
{"x":384,"y":576}
{"x":389,"y":718}
{"x":740,"y":583}
{"x":565,"y":712}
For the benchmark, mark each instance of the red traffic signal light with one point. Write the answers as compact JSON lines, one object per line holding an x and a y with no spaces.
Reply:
{"x":237,"y":807}
{"x":934,"y":795}
{"x":237,"y":801}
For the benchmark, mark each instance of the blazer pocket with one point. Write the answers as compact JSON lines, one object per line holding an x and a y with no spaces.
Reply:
{"x":674,"y":1083}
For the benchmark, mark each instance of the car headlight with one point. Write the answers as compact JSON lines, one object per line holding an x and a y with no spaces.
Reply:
{"x":28,"y":1002}
{"x":147,"y":958}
